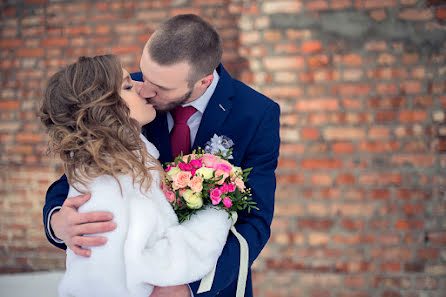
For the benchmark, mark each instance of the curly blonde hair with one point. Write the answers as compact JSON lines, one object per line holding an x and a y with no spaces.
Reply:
{"x":89,"y":124}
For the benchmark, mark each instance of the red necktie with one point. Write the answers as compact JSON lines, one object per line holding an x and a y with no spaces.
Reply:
{"x":180,"y":134}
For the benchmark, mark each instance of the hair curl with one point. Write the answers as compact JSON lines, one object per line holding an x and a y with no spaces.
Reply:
{"x":89,"y":124}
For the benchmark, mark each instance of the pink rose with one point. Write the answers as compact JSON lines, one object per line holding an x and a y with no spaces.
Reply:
{"x":219,"y":173}
{"x":215,"y":196}
{"x":181,"y":179}
{"x":186,"y":157}
{"x":209,"y":160}
{"x":197,"y":163}
{"x":227,"y":202}
{"x":168,"y":168}
{"x":223,"y":167}
{"x":196,"y":184}
{"x":240,"y":184}
{"x":170,"y":196}
{"x":224,"y":188}
{"x":185,"y":167}
{"x":231,"y":187}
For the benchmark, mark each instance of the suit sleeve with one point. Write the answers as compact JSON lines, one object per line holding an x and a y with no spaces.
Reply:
{"x":55,"y":197}
{"x":261,"y":155}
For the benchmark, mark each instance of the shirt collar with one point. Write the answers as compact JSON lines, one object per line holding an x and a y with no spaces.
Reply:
{"x":201,"y":103}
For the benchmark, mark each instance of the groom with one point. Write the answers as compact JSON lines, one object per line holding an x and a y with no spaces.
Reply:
{"x":195,"y":98}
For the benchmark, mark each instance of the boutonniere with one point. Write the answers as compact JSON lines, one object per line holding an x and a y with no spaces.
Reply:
{"x":220,"y":146}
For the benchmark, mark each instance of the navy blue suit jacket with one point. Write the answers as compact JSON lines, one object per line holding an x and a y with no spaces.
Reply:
{"x":251,"y":120}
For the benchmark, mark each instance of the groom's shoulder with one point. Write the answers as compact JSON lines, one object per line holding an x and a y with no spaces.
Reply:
{"x":246,"y":95}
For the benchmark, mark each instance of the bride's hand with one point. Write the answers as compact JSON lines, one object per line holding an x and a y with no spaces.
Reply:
{"x":173,"y":291}
{"x":69,"y":225}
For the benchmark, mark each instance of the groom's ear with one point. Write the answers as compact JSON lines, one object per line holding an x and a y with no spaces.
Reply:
{"x":206,"y":81}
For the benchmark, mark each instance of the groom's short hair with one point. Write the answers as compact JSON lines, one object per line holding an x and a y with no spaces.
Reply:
{"x":189,"y":38}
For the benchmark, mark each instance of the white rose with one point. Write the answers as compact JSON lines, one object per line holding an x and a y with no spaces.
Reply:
{"x":205,"y":172}
{"x":236,"y":171}
{"x":193,"y":200}
{"x":173,"y":171}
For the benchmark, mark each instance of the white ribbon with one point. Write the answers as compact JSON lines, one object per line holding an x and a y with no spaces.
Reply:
{"x":206,"y":282}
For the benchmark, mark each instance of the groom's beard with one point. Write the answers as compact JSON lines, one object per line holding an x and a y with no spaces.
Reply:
{"x":161,"y":106}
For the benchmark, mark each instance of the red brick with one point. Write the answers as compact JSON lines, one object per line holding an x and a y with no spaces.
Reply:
{"x":391,"y":102}
{"x":437,"y":238}
{"x":311,"y":47}
{"x":78,"y":30}
{"x":29,"y":138}
{"x":357,"y":282}
{"x":440,"y":13}
{"x":290,"y":209}
{"x":314,"y":164}
{"x":428,"y":254}
{"x":344,"y":133}
{"x":385,"y":116}
{"x":54,"y":42}
{"x":9,"y":43}
{"x":387,"y":88}
{"x":345,"y":179}
{"x":417,"y":161}
{"x":372,"y":4}
{"x":284,"y":92}
{"x":281,"y":63}
{"x":411,"y":87}
{"x":426,"y":283}
{"x":318,"y":61}
{"x":391,"y":267}
{"x":381,"y":179}
{"x":315,"y":224}
{"x":36,"y":1}
{"x":352,"y":89}
{"x":310,"y":133}
{"x":412,"y":116}
{"x":392,"y":254}
{"x":120,"y":50}
{"x":321,"y":179}
{"x":380,"y":194}
{"x":343,"y":147}
{"x":305,"y":105}
{"x":287,"y":163}
{"x":9,"y":105}
{"x":405,"y":225}
{"x":30,"y":52}
{"x":414,"y":14}
{"x":389,"y":239}
{"x":317,"y":5}
{"x":291,"y":178}
{"x":423,"y":101}
{"x":282,"y":6}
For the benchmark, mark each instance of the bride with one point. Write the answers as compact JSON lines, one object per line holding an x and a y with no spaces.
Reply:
{"x":94,"y":116}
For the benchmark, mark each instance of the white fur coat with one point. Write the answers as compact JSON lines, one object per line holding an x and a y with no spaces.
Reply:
{"x":149,"y":247}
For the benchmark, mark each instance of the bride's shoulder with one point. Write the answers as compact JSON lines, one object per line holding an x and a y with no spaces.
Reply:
{"x":151,"y":149}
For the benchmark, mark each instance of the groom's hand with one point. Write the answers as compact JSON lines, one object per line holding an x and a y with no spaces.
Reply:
{"x":69,"y":225}
{"x":174,"y":291}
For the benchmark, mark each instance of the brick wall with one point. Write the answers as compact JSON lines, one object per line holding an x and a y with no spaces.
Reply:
{"x":360,"y":206}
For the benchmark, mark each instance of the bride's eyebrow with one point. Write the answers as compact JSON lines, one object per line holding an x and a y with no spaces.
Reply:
{"x":126,"y":78}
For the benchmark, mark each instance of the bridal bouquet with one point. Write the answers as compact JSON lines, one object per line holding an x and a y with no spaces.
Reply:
{"x":206,"y":177}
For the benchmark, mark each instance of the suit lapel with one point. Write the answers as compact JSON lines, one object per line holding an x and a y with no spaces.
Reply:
{"x":217,"y":110}
{"x":160,"y":137}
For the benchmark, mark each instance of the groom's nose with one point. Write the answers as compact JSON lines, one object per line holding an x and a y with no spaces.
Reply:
{"x":146,"y":90}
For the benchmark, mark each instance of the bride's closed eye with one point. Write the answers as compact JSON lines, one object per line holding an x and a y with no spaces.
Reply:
{"x":128,"y":87}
